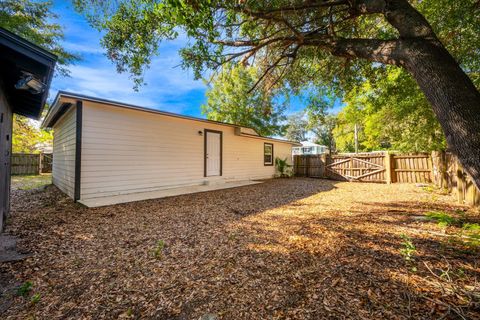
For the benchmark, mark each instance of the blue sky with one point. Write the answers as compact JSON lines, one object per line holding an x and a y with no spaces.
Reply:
{"x":168,"y":88}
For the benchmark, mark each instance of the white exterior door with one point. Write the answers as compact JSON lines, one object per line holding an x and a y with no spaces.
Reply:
{"x":213,"y":153}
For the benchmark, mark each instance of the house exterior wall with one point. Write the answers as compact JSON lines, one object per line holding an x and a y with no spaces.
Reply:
{"x":6,"y":117}
{"x":126,"y":151}
{"x":309,"y":150}
{"x":63,"y":167}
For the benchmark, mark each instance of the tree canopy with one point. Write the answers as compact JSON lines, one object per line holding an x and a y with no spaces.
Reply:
{"x":297,"y":127}
{"x":304,"y":38}
{"x":27,"y":136}
{"x":296,"y":44}
{"x":391,"y":113}
{"x":229,"y":100}
{"x":35,"y":21}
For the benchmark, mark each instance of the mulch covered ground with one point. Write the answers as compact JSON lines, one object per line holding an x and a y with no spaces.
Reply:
{"x":287,"y":249}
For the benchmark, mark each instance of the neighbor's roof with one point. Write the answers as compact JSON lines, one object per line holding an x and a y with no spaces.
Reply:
{"x":17,"y":56}
{"x":310,"y":144}
{"x":61,"y":104}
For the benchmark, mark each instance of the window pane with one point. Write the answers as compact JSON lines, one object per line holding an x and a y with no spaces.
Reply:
{"x":268,"y":149}
{"x":268,"y":154}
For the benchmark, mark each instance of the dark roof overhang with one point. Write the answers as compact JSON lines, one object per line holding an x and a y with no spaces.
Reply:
{"x":18,"y":58}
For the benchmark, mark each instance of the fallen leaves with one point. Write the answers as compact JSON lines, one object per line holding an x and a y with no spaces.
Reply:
{"x":287,"y":248}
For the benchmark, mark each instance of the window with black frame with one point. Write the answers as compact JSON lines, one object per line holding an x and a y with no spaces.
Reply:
{"x":268,"y":154}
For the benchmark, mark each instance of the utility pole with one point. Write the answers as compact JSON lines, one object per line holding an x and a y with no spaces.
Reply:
{"x":356,"y":138}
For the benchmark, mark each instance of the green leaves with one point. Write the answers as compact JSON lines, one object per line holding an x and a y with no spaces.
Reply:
{"x":229,"y":100}
{"x":217,"y":28}
{"x":297,"y":127}
{"x":392,"y":113}
{"x":34,"y":21}
{"x":26,"y":136}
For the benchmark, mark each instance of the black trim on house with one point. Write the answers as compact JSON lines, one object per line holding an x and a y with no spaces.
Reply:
{"x":205,"y":151}
{"x":264,"y":163}
{"x":63,"y":109}
{"x":78,"y":150}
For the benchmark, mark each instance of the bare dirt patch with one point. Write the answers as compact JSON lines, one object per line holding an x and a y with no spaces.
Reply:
{"x":288,"y":248}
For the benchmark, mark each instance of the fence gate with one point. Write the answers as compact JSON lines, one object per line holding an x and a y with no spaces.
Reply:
{"x":366,"y":168}
{"x":46,"y":162}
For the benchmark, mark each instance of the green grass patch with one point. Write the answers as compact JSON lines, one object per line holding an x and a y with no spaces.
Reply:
{"x":31,"y":182}
{"x":472,"y":231}
{"x":429,"y":188}
{"x":469,"y":232}
{"x":442,"y":218}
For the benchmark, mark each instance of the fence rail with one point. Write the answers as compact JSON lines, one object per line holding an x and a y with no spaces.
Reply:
{"x":440,"y":168}
{"x":31,"y":164}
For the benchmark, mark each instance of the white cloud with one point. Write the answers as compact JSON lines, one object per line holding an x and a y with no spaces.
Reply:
{"x":82,"y":48}
{"x":164,"y":84}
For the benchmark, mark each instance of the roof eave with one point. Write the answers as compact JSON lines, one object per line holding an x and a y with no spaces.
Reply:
{"x":50,"y":120}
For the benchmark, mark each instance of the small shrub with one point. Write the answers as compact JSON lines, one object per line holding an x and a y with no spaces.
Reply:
{"x":282,"y":167}
{"x":158,"y":252}
{"x":25,"y":289}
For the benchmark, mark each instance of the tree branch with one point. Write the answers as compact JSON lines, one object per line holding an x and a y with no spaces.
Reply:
{"x":305,"y":6}
{"x":399,"y":13}
{"x":375,"y":50}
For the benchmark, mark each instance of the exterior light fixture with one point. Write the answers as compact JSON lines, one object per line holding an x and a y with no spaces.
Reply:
{"x":30,"y":83}
{"x":200,"y":132}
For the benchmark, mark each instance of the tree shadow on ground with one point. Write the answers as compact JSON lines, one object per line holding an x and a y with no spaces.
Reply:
{"x":288,"y":248}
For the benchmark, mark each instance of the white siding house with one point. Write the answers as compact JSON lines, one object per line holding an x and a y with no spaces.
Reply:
{"x":104,"y":148}
{"x":308,"y":147}
{"x":63,"y":166}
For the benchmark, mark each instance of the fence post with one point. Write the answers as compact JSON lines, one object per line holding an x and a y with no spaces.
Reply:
{"x":388,"y":168}
{"x":307,"y":168}
{"x":460,"y":183}
{"x":323,"y":160}
{"x":40,"y":162}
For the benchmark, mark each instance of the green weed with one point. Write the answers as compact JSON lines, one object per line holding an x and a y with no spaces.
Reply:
{"x":472,"y":231}
{"x":409,"y":249}
{"x":25,"y":289}
{"x":429,"y":188}
{"x":35,"y":298}
{"x":158,"y":252}
{"x":444,"y":219}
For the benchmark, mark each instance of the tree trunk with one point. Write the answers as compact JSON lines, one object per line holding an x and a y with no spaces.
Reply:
{"x":454,"y":98}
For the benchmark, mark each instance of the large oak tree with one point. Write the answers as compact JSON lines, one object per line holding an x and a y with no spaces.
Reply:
{"x":300,"y":42}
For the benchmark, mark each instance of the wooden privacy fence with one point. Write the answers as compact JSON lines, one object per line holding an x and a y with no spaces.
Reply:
{"x":46,"y":162}
{"x":366,"y":167}
{"x":440,"y":168}
{"x":309,"y":165}
{"x":411,"y":168}
{"x":449,"y":175}
{"x":31,"y":164}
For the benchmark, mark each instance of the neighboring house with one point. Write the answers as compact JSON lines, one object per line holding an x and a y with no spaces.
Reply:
{"x":44,"y":147}
{"x":25,"y":75}
{"x":309,"y":148}
{"x":104,"y":148}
